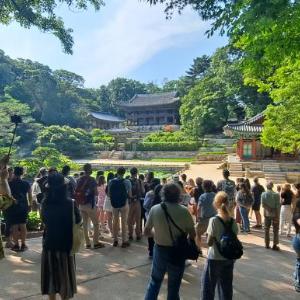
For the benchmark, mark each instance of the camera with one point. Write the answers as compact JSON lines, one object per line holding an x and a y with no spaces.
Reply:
{"x":16,"y":119}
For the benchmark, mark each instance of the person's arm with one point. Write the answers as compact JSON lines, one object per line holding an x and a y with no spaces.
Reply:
{"x":95,"y":188}
{"x":210,"y":236}
{"x":142,"y":187}
{"x":191,"y":226}
{"x":78,"y":218}
{"x":4,"y":187}
{"x":148,"y":201}
{"x":298,"y":221}
{"x":29,"y":195}
{"x":149,"y":225}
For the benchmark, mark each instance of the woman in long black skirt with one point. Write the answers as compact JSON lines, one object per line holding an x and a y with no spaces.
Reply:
{"x":58,"y":263}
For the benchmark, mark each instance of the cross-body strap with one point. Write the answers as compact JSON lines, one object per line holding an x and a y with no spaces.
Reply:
{"x":228,"y":226}
{"x":168,"y":217}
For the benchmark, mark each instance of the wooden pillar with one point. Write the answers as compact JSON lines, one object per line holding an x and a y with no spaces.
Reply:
{"x":254,"y":148}
{"x":241,"y":148}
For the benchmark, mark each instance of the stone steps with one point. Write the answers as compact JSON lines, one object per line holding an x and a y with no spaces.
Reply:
{"x":276,"y":177}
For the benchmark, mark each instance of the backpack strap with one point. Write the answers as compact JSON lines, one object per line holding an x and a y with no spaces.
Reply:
{"x":169,"y":218}
{"x":227,"y":226}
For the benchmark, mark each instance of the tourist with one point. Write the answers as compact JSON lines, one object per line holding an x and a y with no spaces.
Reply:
{"x":17,"y":214}
{"x":257,"y":191}
{"x":107,"y":203}
{"x":101,"y":188}
{"x":152,"y":198}
{"x":244,"y":201}
{"x":247,"y":183}
{"x":39,"y":186}
{"x":119,"y":191}
{"x":143,"y":216}
{"x":148,"y":180}
{"x":228,"y":186}
{"x":162,"y":257}
{"x":71,"y":184}
{"x":135,"y":209}
{"x":85,"y":195}
{"x":183,"y":180}
{"x":196,"y":193}
{"x":185,"y":197}
{"x":296,"y":245}
{"x":59,"y":213}
{"x":190,"y":186}
{"x":286,"y":201}
{"x":271,"y":204}
{"x":4,"y":190}
{"x":164,"y":181}
{"x":218,"y":270}
{"x":206,"y":210}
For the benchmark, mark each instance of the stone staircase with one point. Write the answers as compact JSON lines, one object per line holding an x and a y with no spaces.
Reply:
{"x":273,"y":172}
{"x":116,"y":155}
{"x":236,"y":169}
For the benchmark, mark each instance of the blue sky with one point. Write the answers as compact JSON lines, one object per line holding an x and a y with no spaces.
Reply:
{"x":126,"y":38}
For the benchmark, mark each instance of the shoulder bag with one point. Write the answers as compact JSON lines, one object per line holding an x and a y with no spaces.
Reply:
{"x":183,"y":247}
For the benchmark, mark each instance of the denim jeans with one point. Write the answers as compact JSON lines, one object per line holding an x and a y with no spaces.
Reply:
{"x":244,"y":214}
{"x":160,"y":265}
{"x":217,"y":273}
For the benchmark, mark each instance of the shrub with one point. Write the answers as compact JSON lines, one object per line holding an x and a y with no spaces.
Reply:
{"x":34,"y":221}
{"x":168,"y":137}
{"x":170,"y":146}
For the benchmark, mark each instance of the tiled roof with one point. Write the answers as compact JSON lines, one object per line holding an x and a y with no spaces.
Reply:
{"x":247,"y":126}
{"x":106,"y":117}
{"x":141,"y":100}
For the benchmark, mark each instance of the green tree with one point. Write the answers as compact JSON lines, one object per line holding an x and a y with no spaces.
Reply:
{"x":42,"y":14}
{"x":67,"y":140}
{"x":26,"y":132}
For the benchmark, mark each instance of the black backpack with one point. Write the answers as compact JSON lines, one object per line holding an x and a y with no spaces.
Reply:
{"x":229,"y":245}
{"x":118,"y":193}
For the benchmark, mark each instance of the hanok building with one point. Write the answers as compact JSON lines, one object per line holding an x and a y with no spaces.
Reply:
{"x":152,"y":109}
{"x":248,"y":134}
{"x":106,"y":121}
{"x":145,"y":112}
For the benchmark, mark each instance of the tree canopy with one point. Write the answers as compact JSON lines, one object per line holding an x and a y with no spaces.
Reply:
{"x":42,"y":15}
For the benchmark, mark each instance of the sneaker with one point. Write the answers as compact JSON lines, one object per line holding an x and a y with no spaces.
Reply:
{"x":138,"y":238}
{"x":130,"y":238}
{"x":15,"y":248}
{"x":125,"y":244}
{"x":267,"y":247}
{"x":275,"y":248}
{"x":99,"y":245}
{"x":115,"y":244}
{"x":9,"y":244}
{"x":23,"y":248}
{"x":88,"y":246}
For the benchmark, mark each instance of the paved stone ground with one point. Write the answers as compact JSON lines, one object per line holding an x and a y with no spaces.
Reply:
{"x":121,"y":274}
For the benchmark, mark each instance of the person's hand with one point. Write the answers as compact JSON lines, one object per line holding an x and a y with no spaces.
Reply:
{"x":3,"y":174}
{"x":4,"y":162}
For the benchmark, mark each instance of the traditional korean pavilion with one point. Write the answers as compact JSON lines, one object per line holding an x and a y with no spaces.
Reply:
{"x":248,"y":134}
{"x":152,"y":109}
{"x":144,"y":112}
{"x":106,"y":121}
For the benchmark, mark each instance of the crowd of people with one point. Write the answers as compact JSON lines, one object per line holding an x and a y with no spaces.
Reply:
{"x":128,"y":207}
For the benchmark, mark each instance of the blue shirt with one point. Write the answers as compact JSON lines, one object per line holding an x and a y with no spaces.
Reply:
{"x":206,"y":205}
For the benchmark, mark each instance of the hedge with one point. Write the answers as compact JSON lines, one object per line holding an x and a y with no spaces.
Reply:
{"x":163,"y":146}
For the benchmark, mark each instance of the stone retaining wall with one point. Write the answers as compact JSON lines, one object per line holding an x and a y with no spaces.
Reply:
{"x":159,"y":154}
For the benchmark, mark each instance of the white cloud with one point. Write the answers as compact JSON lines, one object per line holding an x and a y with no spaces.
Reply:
{"x":134,"y":34}
{"x":114,"y":42}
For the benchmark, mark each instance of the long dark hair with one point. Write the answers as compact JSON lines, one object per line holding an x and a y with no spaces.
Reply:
{"x":157,"y":195}
{"x":56,"y":189}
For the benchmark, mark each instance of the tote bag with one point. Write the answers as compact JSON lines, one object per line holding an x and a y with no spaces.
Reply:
{"x":78,"y":236}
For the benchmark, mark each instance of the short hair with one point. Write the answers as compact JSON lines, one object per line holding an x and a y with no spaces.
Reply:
{"x":142,"y":177}
{"x":133,"y":171}
{"x":110,"y":176}
{"x":199,"y":180}
{"x":171,"y":192}
{"x":52,"y":170}
{"x":121,"y":171}
{"x":65,"y":170}
{"x":184,"y":177}
{"x":87,"y":168}
{"x":207,"y":186}
{"x":18,"y":171}
{"x":100,"y":173}
{"x":270,"y":185}
{"x":43,"y":171}
{"x":256,"y":180}
{"x":226,"y":173}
